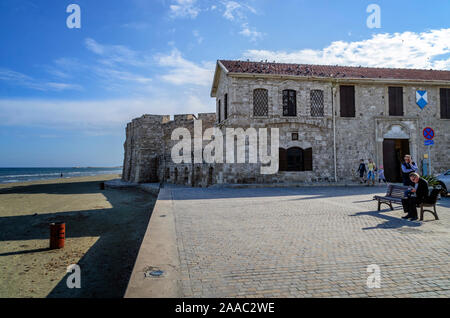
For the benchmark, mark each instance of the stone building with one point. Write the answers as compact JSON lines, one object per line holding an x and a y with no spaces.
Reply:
{"x":329,"y":117}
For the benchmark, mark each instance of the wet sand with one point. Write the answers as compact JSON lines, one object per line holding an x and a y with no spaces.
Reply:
{"x":104,"y":229}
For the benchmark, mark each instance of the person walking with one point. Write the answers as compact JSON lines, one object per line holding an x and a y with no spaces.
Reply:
{"x":415,"y":196}
{"x":408,"y":166}
{"x":371,"y":167}
{"x":381,"y":175}
{"x":361,"y":170}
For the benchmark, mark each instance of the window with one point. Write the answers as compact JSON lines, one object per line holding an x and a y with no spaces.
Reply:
{"x":445,"y":103}
{"x":225,"y":111}
{"x":289,"y":102}
{"x":295,"y":159}
{"x":218,"y":115}
{"x":316,"y":96}
{"x":347,"y":101}
{"x":395,"y":101}
{"x":294,"y":136}
{"x":260,"y":102}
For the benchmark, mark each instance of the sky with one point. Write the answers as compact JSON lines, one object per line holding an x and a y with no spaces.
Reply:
{"x":66,"y":94}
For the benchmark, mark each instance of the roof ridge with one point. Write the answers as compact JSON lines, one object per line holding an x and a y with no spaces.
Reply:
{"x":337,"y":65}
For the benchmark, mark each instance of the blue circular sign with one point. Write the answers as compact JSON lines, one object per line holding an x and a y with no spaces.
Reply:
{"x":428,"y":133}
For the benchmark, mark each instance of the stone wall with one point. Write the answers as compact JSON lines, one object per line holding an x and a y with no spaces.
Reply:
{"x":148,"y":144}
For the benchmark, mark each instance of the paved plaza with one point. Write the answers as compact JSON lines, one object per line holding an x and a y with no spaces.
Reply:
{"x":304,"y":242}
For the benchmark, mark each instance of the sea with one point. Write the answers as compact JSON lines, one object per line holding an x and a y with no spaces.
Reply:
{"x":11,"y":175}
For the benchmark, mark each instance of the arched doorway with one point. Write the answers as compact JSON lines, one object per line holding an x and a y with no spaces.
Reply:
{"x":395,"y":147}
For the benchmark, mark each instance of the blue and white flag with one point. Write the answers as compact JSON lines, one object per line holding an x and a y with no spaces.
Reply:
{"x":421,"y":98}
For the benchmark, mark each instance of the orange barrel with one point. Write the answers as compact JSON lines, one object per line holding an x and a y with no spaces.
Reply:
{"x":57,"y":235}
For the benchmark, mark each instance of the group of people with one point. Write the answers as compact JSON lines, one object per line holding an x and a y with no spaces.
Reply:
{"x":372,"y":172}
{"x":417,"y":192}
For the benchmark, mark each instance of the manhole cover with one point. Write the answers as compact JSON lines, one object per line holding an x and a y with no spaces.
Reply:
{"x":153,"y":272}
{"x":156,"y":273}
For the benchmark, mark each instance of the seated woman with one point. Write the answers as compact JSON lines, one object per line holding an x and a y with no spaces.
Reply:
{"x":417,"y":195}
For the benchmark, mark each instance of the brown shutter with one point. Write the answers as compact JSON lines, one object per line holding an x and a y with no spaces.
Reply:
{"x":282,"y":159}
{"x":395,"y":101}
{"x":292,"y":103}
{"x":307,"y":158}
{"x":347,"y":101}
{"x":445,"y":102}
{"x":285,"y":103}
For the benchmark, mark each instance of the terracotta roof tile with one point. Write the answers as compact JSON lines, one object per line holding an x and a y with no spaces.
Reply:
{"x":334,"y":71}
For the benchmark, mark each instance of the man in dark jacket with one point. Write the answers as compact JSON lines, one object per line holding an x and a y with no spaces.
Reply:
{"x":408,"y":166}
{"x":416,"y":196}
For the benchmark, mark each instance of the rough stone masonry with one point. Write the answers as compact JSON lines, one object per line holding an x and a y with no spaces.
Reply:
{"x":329,"y":117}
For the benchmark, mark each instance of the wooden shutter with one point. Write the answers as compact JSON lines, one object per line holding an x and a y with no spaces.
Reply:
{"x":307,"y":159}
{"x":285,"y":103}
{"x":347,"y":101}
{"x":445,"y":102}
{"x":282,"y":159}
{"x":289,"y":102}
{"x":292,"y":103}
{"x":395,"y":101}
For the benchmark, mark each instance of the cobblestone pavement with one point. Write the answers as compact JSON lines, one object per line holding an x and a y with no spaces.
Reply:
{"x":306,"y":242}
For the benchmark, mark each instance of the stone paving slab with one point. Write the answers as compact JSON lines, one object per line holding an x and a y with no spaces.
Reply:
{"x":305,"y":242}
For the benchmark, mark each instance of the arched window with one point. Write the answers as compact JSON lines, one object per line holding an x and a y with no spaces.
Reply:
{"x":289,"y":102}
{"x":260,"y":102}
{"x":295,"y":159}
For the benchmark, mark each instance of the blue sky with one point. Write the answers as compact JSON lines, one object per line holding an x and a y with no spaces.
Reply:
{"x":67,"y":94}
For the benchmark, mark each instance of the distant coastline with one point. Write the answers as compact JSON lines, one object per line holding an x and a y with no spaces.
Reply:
{"x":14,"y":175}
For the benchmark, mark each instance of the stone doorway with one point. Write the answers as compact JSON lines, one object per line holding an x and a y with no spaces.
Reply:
{"x":393,"y":152}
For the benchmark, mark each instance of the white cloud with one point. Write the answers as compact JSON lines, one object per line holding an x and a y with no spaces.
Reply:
{"x":117,"y":54}
{"x":183,"y":71}
{"x":250,"y":33}
{"x":184,"y":8}
{"x":17,"y":78}
{"x":402,"y":50}
{"x":98,"y":116}
{"x":235,"y":10}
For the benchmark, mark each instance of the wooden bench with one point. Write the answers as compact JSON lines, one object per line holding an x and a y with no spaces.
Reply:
{"x":431,"y":202}
{"x":394,"y":194}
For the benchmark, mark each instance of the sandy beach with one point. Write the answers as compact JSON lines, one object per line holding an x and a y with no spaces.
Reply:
{"x":104,"y":229}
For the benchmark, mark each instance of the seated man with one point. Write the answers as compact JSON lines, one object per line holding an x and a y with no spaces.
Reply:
{"x":416,"y":196}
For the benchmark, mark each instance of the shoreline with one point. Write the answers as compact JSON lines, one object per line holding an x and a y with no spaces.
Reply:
{"x":99,"y":177}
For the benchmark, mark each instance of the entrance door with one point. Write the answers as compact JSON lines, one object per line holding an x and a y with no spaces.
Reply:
{"x":393,"y":152}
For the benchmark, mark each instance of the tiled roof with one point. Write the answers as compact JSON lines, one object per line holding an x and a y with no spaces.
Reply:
{"x":334,"y":71}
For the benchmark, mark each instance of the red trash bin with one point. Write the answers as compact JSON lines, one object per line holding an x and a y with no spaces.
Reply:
{"x":57,"y":235}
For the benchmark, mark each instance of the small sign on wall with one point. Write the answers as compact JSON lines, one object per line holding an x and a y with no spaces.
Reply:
{"x":421,"y":99}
